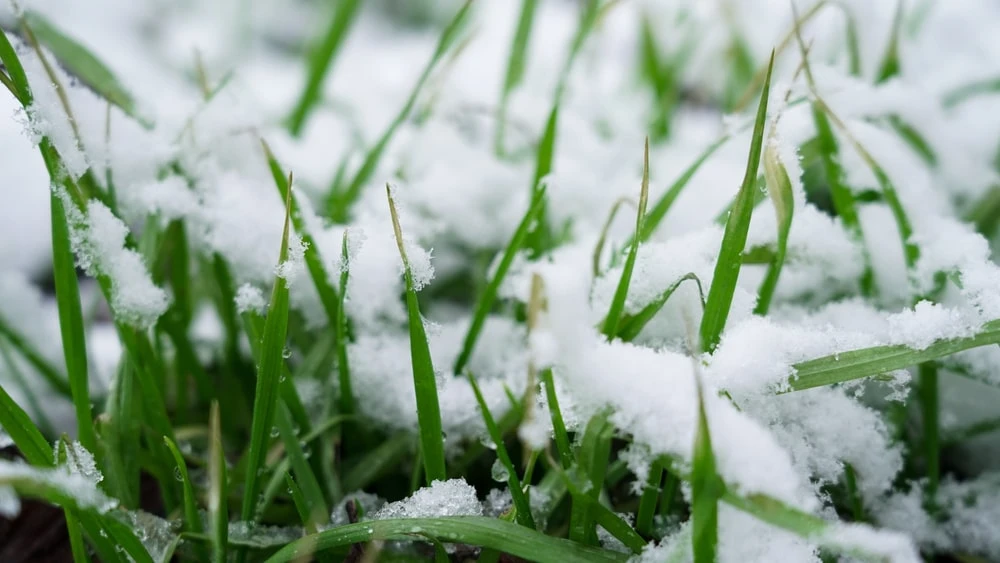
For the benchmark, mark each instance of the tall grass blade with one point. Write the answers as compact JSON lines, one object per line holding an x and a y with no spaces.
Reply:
{"x":319,"y":62}
{"x":340,"y":335}
{"x":192,"y":522}
{"x":706,"y":488}
{"x":889,"y":66}
{"x":540,"y":236}
{"x":593,"y":455}
{"x":424,"y":382}
{"x":269,"y":371}
{"x":631,"y":325}
{"x":647,"y":501}
{"x":489,"y":295}
{"x":71,"y":322}
{"x":621,"y":292}
{"x":218,"y":488}
{"x":727,"y":268}
{"x":82,"y":63}
{"x":315,"y":501}
{"x":521,"y":505}
{"x":779,"y":187}
{"x":341,"y":201}
{"x":515,"y":67}
{"x":28,"y":439}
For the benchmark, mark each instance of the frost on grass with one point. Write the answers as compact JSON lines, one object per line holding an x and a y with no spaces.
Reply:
{"x":99,"y":242}
{"x":454,"y":497}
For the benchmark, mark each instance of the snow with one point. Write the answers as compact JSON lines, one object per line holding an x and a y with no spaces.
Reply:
{"x":200,"y":163}
{"x":454,"y":497}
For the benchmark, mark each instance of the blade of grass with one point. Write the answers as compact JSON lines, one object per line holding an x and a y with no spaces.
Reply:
{"x":779,"y":187}
{"x":706,"y":488}
{"x":82,"y":64}
{"x":28,"y":390}
{"x":595,"y":269}
{"x":28,"y":351}
{"x":319,"y":62}
{"x":341,"y":201}
{"x":593,"y":455}
{"x":515,"y":67}
{"x":218,"y":509}
{"x":376,"y":462}
{"x":865,"y":362}
{"x":71,"y":322}
{"x":727,"y":268}
{"x":536,"y":307}
{"x":489,"y":295}
{"x":927,"y":391}
{"x":631,"y":325}
{"x":521,"y":505}
{"x":506,"y":537}
{"x":968,"y":91}
{"x":889,"y":66}
{"x":343,"y":367}
{"x":424,"y":382}
{"x":28,"y":439}
{"x":539,"y":237}
{"x":317,"y":511}
{"x":120,"y":437}
{"x":617,"y":307}
{"x":269,"y":372}
{"x":192,"y":522}
{"x":647,"y":501}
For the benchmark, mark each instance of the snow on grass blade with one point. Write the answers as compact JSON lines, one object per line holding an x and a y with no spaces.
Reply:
{"x":314,"y":261}
{"x":727,"y":267}
{"x":505,"y":537}
{"x":621,"y":292}
{"x":706,"y":488}
{"x":320,"y":60}
{"x":866,"y":362}
{"x":779,"y":187}
{"x":523,"y":509}
{"x":28,"y":439}
{"x":218,"y":488}
{"x":489,"y":296}
{"x":82,"y":63}
{"x":71,"y":321}
{"x":340,"y":201}
{"x":631,"y":325}
{"x":270,"y":364}
{"x":515,"y":67}
{"x":424,"y":382}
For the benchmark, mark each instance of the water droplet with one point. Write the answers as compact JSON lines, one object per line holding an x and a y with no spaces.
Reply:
{"x":499,"y":471}
{"x":286,"y":353}
{"x":177,"y":474}
{"x":487,"y":442}
{"x":274,"y":432}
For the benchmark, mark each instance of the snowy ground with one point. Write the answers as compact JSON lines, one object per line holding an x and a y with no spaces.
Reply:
{"x":201,"y":162}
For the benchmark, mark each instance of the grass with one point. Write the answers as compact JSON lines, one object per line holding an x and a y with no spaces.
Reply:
{"x":253,"y":445}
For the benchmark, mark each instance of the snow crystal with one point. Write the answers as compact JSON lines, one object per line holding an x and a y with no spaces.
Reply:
{"x":99,"y":243}
{"x":78,"y":486}
{"x":250,"y":298}
{"x":454,"y":497}
{"x":10,"y":503}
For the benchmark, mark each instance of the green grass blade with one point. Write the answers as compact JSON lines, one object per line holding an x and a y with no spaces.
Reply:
{"x":218,"y":509}
{"x":489,"y":295}
{"x":302,"y":506}
{"x":889,"y":66}
{"x":492,"y":533}
{"x":320,"y":61}
{"x":968,"y":91}
{"x":865,"y":362}
{"x":595,"y":266}
{"x":341,"y":202}
{"x":28,"y":389}
{"x":377,"y":461}
{"x":192,"y":522}
{"x":621,"y":292}
{"x":28,"y":351}
{"x":593,"y":455}
{"x":12,"y":64}
{"x":120,"y":437}
{"x":71,"y":322}
{"x":779,"y":187}
{"x":927,"y":392}
{"x":314,"y":261}
{"x":777,"y":514}
{"x":648,"y":499}
{"x":29,"y":440}
{"x":424,"y":382}
{"x":270,"y":368}
{"x":727,"y":268}
{"x":343,"y":365}
{"x":914,"y":139}
{"x":559,"y":427}
{"x":655,"y":215}
{"x":515,"y":67}
{"x":706,"y":488}
{"x":540,"y":238}
{"x":523,"y":514}
{"x":75,"y":532}
{"x":631,"y":325}
{"x":317,"y":512}
{"x":82,"y":63}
